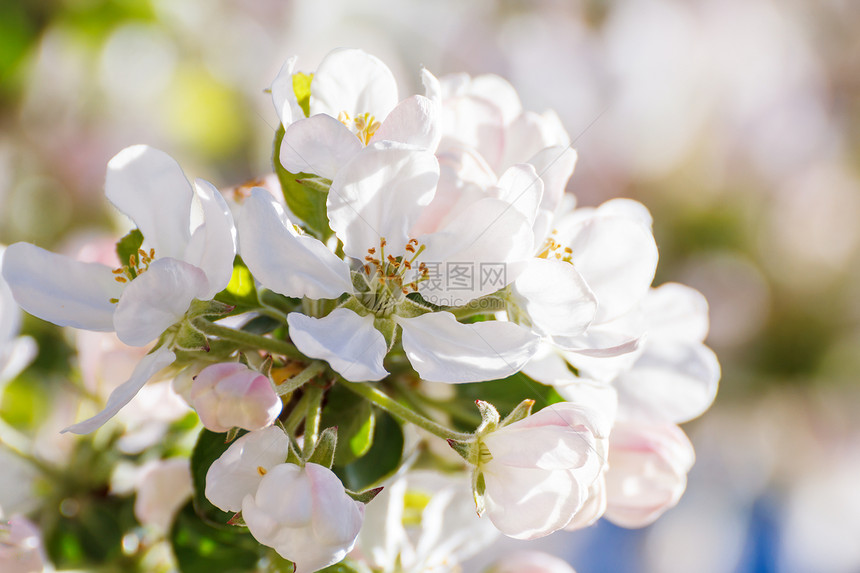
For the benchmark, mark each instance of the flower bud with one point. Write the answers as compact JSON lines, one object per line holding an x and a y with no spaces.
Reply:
{"x":531,"y":562}
{"x":304,"y":514}
{"x":542,"y":468}
{"x":648,"y":465}
{"x":231,"y":395}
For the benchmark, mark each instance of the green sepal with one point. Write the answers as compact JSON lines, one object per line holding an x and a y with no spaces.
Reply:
{"x":294,"y":455}
{"x":128,"y":246}
{"x":388,"y":328}
{"x":189,"y":338}
{"x":409,"y":308}
{"x":302,"y":89}
{"x":522,"y":411}
{"x":237,"y":520}
{"x":320,"y":184}
{"x":365,"y":497}
{"x":266,"y":367}
{"x":232,"y":434}
{"x":462,"y":448}
{"x":354,"y":305}
{"x":323,"y":453}
{"x":208,"y":308}
{"x":489,"y":417}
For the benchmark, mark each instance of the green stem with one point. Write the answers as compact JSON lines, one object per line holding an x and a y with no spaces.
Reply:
{"x":248,"y":339}
{"x":404,"y":413}
{"x":312,"y":419}
{"x":296,"y":416}
{"x":297,"y":381}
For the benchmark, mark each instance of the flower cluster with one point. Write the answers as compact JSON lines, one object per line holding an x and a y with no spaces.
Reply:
{"x":403,"y":245}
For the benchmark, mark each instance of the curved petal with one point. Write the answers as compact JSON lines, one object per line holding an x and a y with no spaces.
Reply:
{"x":319,"y":144}
{"x":414,"y":121}
{"x":556,"y":298}
{"x":16,"y":355}
{"x":676,"y":312}
{"x":157,"y":299}
{"x":348,"y":342}
{"x":149,"y":186}
{"x":522,"y":188}
{"x":355,"y":82}
{"x":670,"y":381}
{"x":61,"y":290}
{"x":529,"y":133}
{"x":500,"y":92}
{"x":148,"y":367}
{"x":473,"y":123}
{"x":444,"y":350}
{"x":281,"y":259}
{"x":554,"y":165}
{"x":213,"y":244}
{"x":380,"y":193}
{"x":284,"y":96}
{"x":617,"y":256}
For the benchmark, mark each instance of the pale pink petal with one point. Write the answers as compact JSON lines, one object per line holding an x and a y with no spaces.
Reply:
{"x":555,"y":297}
{"x":355,"y":82}
{"x":415,"y":121}
{"x":319,"y":144}
{"x":284,"y":96}
{"x":213,"y":244}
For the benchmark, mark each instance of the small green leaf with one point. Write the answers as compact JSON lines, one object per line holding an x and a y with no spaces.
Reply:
{"x":261,"y":325}
{"x":365,"y":496}
{"x":355,"y":421}
{"x":320,"y":184}
{"x":380,"y":461}
{"x":128,"y":246}
{"x":201,"y":548}
{"x":305,"y":203}
{"x":302,"y":89}
{"x":462,"y":448}
{"x":240,"y":291}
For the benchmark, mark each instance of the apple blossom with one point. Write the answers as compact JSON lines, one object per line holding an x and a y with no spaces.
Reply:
{"x":21,"y":548}
{"x":538,"y":471}
{"x":230,"y":394}
{"x":352,"y":102}
{"x":373,"y":203}
{"x":239,"y":470}
{"x":526,"y":561}
{"x":163,"y":486}
{"x":648,"y":465}
{"x":16,"y":352}
{"x":304,"y":514}
{"x":146,"y":295}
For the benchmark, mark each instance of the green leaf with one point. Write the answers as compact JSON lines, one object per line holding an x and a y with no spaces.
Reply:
{"x":128,"y":246}
{"x":261,"y":325}
{"x":240,"y":291}
{"x":355,"y":421}
{"x":302,"y":89}
{"x":320,"y":184}
{"x":507,"y":393}
{"x":305,"y":203}
{"x":201,"y":548}
{"x":208,"y":448}
{"x":381,"y":460}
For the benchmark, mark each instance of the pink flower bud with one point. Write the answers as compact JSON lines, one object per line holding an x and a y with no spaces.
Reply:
{"x":231,"y":395}
{"x":648,"y":465}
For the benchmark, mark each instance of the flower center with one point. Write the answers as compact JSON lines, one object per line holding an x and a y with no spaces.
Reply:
{"x":552,"y":249}
{"x":138,"y":263}
{"x":364,"y":126}
{"x":388,"y":279}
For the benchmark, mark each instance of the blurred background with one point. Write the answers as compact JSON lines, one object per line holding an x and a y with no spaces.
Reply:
{"x":736,"y":122}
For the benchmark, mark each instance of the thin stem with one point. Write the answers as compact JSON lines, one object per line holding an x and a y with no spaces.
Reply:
{"x":297,"y":381}
{"x":404,"y":413}
{"x":312,"y":419}
{"x":297,"y":415}
{"x":248,"y":339}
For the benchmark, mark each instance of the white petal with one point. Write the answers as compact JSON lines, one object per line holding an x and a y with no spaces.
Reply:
{"x":676,"y":312}
{"x":444,"y":350}
{"x":554,"y":165}
{"x":522,"y":188}
{"x":380,"y":193}
{"x":284,"y":96}
{"x":556,"y":297}
{"x":213,"y":244}
{"x":61,"y":290}
{"x":157,"y":299}
{"x":628,"y":208}
{"x":319,"y":144}
{"x":148,"y":367}
{"x":284,"y":261}
{"x":670,"y":381}
{"x":355,"y":82}
{"x":498,"y":91}
{"x":415,"y":121}
{"x":479,"y":252}
{"x":236,"y":473}
{"x":474,"y":123}
{"x":432,"y":87}
{"x":149,"y":186}
{"x":347,"y":341}
{"x":617,"y":256}
{"x":16,"y":355}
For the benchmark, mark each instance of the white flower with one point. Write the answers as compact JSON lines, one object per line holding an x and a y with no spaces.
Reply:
{"x":353,"y":102}
{"x":21,"y":547}
{"x":373,"y":205}
{"x":239,"y":470}
{"x":16,"y":352}
{"x":541,"y":468}
{"x":177,"y":264}
{"x":525,"y":561}
{"x":163,"y":486}
{"x":648,"y":465}
{"x":304,"y":514}
{"x":231,"y":395}
{"x":424,"y":521}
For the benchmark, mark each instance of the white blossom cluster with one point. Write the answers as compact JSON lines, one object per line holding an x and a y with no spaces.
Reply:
{"x":426,"y":238}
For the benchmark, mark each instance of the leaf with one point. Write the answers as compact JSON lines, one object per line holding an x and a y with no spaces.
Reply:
{"x":381,"y":460}
{"x":302,"y":89}
{"x":128,"y":246}
{"x":355,"y":423}
{"x":241,"y":290}
{"x":261,"y":325}
{"x":201,"y":548}
{"x":208,"y":448}
{"x":507,"y":393}
{"x":305,"y":203}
